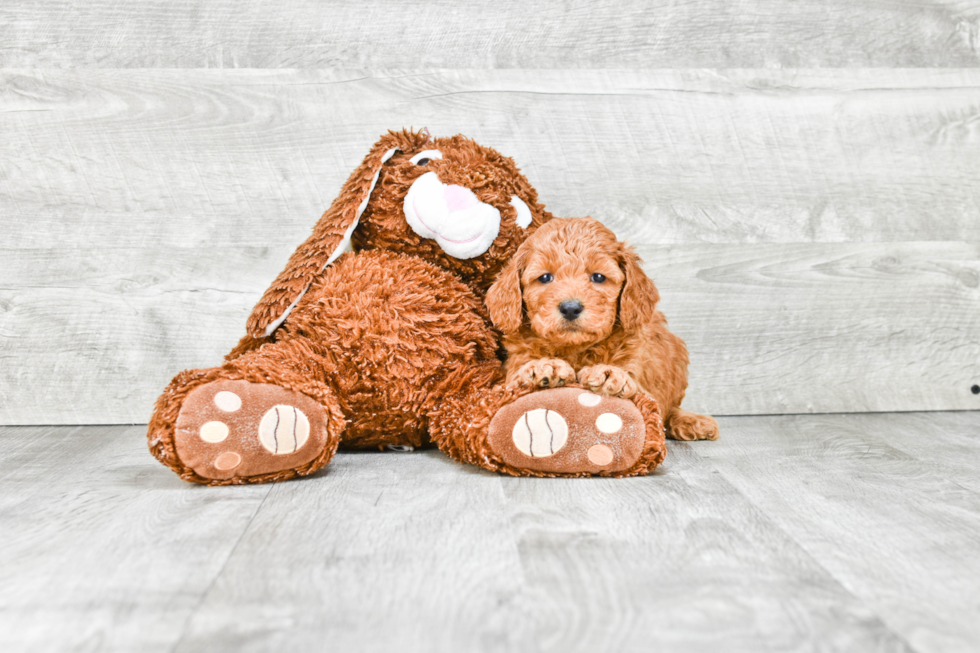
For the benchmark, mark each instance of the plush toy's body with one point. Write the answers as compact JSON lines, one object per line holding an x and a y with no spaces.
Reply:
{"x":392,"y":344}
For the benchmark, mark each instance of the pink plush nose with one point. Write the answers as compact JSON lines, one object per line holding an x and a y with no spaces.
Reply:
{"x":459,"y":198}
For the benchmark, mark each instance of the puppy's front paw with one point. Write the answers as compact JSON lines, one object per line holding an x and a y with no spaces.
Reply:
{"x":608,"y":380}
{"x":544,"y":373}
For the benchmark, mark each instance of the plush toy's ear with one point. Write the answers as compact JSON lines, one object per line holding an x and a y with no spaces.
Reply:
{"x":330,"y":237}
{"x":504,"y":300}
{"x":639,"y":297}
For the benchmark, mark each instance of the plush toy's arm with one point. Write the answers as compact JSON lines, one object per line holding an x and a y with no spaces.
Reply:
{"x":327,"y":242}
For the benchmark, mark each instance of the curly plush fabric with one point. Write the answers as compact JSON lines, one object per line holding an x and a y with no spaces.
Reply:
{"x":391,"y":344}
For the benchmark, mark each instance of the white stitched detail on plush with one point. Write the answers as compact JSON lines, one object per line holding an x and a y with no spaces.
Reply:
{"x":360,"y":209}
{"x":523,"y":213}
{"x":344,"y":242}
{"x":426,"y":154}
{"x":269,"y":330}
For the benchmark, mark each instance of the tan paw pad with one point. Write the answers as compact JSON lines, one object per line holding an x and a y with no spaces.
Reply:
{"x":540,"y":433}
{"x":214,"y":431}
{"x":227,"y":461}
{"x":238,"y":429}
{"x":284,"y":429}
{"x":568,"y":431}
{"x":227,"y":401}
{"x":600,"y":455}
{"x":609,"y":423}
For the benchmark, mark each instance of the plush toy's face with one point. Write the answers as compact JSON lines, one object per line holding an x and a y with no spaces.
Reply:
{"x":452,"y":202}
{"x":449,"y":201}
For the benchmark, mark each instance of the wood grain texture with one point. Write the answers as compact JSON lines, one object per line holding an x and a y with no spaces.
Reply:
{"x":381,"y":552}
{"x":771,"y":328}
{"x":100,"y":551}
{"x":892,"y":525}
{"x":503,"y":34}
{"x":812,"y":232}
{"x":789,"y":533}
{"x":822,"y":327}
{"x":187,"y":158}
{"x":415,"y":553}
{"x":678,"y":561}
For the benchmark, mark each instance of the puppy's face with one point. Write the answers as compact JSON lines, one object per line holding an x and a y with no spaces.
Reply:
{"x":571,"y":283}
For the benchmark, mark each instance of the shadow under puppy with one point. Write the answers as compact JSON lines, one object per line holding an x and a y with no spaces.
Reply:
{"x":574,"y":304}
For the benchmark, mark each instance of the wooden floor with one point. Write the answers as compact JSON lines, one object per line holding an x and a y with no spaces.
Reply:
{"x":818,"y":532}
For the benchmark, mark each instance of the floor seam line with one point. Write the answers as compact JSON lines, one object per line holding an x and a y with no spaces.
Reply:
{"x":807,"y":552}
{"x":221,"y":570}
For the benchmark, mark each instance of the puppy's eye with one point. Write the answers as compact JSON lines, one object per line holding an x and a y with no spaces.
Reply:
{"x":546,"y":278}
{"x":425,"y":156}
{"x":598,"y":278}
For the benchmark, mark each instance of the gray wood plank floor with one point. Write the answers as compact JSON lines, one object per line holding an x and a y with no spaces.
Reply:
{"x":815,"y":533}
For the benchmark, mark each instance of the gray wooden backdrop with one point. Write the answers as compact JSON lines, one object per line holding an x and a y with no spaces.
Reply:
{"x":802,"y":179}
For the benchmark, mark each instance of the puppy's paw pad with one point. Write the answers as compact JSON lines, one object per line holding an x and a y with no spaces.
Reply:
{"x":237,"y":429}
{"x":568,"y":431}
{"x":545,"y":373}
{"x":685,"y":425}
{"x":608,"y":380}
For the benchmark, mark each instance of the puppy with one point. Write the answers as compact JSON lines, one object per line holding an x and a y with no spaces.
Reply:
{"x":574,"y":304}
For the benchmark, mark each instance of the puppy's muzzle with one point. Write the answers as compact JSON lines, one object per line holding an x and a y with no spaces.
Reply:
{"x":570,"y":309}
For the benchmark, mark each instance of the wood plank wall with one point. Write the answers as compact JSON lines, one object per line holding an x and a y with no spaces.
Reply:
{"x":802,"y":180}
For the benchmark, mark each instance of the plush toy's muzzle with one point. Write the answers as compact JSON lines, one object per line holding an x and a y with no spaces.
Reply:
{"x":453,"y":216}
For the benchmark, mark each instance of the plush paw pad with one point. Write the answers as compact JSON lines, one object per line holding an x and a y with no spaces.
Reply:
{"x":540,"y":433}
{"x":236,"y":428}
{"x":568,"y":430}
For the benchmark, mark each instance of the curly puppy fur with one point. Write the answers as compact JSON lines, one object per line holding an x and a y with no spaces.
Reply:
{"x":575,"y":305}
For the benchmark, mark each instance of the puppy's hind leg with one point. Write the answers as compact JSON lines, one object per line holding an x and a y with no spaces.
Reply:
{"x":685,"y":425}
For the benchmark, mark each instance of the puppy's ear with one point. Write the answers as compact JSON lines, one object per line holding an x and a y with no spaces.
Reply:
{"x":504,"y":299}
{"x":330,"y":237}
{"x":639,"y":297}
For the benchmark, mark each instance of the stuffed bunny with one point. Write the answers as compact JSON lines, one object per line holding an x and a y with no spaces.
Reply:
{"x":389,"y":345}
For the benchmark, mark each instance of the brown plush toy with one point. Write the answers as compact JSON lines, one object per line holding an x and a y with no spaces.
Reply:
{"x":392,"y":344}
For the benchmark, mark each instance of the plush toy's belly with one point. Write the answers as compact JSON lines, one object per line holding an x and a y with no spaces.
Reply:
{"x":395,"y":333}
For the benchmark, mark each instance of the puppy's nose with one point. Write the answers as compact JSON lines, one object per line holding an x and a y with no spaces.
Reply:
{"x":570,"y":309}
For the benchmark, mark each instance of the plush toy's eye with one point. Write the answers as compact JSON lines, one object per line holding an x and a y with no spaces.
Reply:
{"x":546,"y":278}
{"x":598,"y":278}
{"x":425,"y":156}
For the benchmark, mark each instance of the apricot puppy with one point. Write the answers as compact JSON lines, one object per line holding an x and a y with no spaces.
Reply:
{"x":574,"y":304}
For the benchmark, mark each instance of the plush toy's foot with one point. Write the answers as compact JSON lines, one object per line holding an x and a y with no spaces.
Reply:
{"x":236,"y":431}
{"x":569,"y":431}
